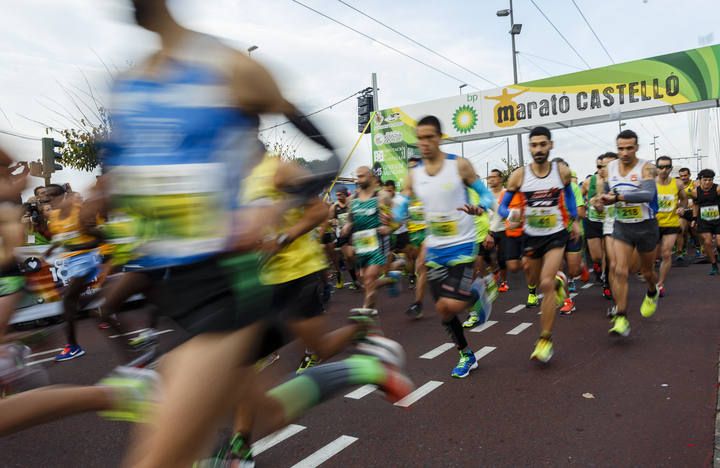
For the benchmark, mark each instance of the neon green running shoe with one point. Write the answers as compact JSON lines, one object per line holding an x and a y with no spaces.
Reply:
{"x":543,"y":350}
{"x":472,"y":320}
{"x":621,"y":326}
{"x":308,"y":361}
{"x":135,"y":392}
{"x":649,"y":305}
{"x":532,"y":300}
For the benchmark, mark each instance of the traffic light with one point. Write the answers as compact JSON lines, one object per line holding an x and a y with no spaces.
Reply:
{"x":365,"y":110}
{"x":50,"y":157}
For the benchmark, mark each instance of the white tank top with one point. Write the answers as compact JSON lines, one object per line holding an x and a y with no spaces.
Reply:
{"x":545,"y":211}
{"x":441,"y":196}
{"x":626,"y":212}
{"x":497,"y":224}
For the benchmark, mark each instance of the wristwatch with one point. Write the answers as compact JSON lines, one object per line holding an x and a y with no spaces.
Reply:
{"x":282,"y":239}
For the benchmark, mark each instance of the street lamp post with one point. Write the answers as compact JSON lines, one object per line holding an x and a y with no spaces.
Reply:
{"x":654,"y":145}
{"x":462,"y":143}
{"x":251,"y":49}
{"x":514,"y":31}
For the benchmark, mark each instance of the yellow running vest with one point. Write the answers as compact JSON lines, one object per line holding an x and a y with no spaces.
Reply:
{"x":668,"y":204}
{"x":304,"y":255}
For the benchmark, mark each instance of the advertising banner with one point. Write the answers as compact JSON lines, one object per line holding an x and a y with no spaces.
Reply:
{"x":675,"y":82}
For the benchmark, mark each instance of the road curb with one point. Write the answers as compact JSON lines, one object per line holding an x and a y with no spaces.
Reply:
{"x":716,"y":454}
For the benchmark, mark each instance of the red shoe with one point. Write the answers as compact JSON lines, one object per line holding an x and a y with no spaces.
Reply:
{"x":503,"y":287}
{"x":103,"y":325}
{"x":661,"y":291}
{"x":607,"y":294}
{"x":584,"y":274}
{"x":568,"y":307}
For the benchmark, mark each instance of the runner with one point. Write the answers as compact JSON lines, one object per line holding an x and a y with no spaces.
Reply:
{"x":631,"y":187}
{"x":547,"y":213}
{"x":593,"y":223}
{"x":485,"y":245}
{"x":686,"y":231}
{"x":367,"y":231}
{"x":672,"y":203}
{"x":339,"y":214}
{"x":440,"y":183}
{"x":12,"y":235}
{"x":416,"y":229}
{"x":707,"y":201}
{"x":608,"y":213}
{"x":497,"y":230}
{"x":81,"y":259}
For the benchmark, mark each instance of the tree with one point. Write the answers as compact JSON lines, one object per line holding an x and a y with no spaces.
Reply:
{"x":510,"y":166}
{"x":81,"y":149}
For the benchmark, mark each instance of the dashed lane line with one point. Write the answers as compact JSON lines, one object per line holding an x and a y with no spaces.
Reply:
{"x":520,"y":328}
{"x":484,"y":326}
{"x":326,"y":452}
{"x":419,"y":393}
{"x":361,"y":392}
{"x":275,"y":438}
{"x":433,"y":353}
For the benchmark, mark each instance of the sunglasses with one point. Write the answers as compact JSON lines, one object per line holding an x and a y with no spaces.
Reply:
{"x":600,"y":166}
{"x":664,"y":167}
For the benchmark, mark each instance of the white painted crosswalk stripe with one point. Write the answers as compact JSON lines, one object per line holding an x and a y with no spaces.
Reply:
{"x":50,"y":351}
{"x":484,"y":351}
{"x":275,"y":438}
{"x":418,"y":393}
{"x":589,"y":285}
{"x":520,"y":328}
{"x":433,"y":353}
{"x":40,"y":361}
{"x":515,"y":309}
{"x":327,"y":452}
{"x":484,"y":326}
{"x":361,"y":392}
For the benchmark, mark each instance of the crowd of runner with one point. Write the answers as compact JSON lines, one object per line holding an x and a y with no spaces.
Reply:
{"x":242,"y":250}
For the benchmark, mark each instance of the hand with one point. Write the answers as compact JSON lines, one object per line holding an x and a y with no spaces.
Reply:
{"x":608,"y":198}
{"x":489,"y":242}
{"x":680,"y":211}
{"x":386,"y":218}
{"x":472,"y":210}
{"x":693,"y":223}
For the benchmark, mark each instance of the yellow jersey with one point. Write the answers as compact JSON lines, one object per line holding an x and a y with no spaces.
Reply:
{"x":67,"y":231}
{"x":301,"y":257}
{"x":668,"y":204}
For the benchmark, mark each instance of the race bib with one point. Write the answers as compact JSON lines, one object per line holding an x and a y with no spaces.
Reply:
{"x":632,"y":213}
{"x":666,"y":203}
{"x":417,"y":213}
{"x":540,"y":218}
{"x":709,"y":213}
{"x":342,"y":219}
{"x":365,"y":242}
{"x":443,"y":226}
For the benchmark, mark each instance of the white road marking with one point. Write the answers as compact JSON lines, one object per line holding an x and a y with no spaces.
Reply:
{"x":275,"y":438}
{"x":40,"y":361}
{"x":484,"y":351}
{"x":161,"y":332}
{"x":520,"y":328}
{"x":327,"y":452}
{"x":515,"y":309}
{"x":589,"y":285}
{"x":418,"y":393}
{"x":573,"y":295}
{"x":51,"y":351}
{"x":129,"y":333}
{"x":361,"y":392}
{"x":433,"y":353}
{"x":484,"y":326}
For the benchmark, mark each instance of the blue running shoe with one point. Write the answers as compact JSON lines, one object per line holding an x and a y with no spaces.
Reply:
{"x":69,"y":352}
{"x":394,"y":287}
{"x":572,"y":287}
{"x":466,"y":363}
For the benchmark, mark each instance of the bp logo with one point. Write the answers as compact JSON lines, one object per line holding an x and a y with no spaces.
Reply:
{"x":465,"y":119}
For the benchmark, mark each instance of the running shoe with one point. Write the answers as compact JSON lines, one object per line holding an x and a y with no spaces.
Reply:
{"x":620,"y":325}
{"x":339,"y":283}
{"x":472,"y":320}
{"x":144,"y":339}
{"x":503,"y":287}
{"x":411,"y":281}
{"x":584,"y":274}
{"x":714,"y":270}
{"x":661,"y":291}
{"x":415,"y":311}
{"x":532,"y":301}
{"x":611,"y":311}
{"x":572,"y":287}
{"x":368,"y":319}
{"x":597,"y":269}
{"x":69,"y":352}
{"x":308,"y":361}
{"x":466,"y":363}
{"x":606,"y":292}
{"x":135,"y":392}
{"x":560,"y":294}
{"x":649,"y":305}
{"x":568,"y":307}
{"x":543,"y":350}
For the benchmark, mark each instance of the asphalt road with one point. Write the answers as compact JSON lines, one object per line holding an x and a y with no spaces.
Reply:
{"x":645,"y":400}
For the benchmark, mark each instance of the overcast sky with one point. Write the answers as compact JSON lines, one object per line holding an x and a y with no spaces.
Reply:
{"x":49,"y":48}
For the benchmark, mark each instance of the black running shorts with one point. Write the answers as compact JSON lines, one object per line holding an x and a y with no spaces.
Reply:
{"x":643,"y":235}
{"x":593,"y":229}
{"x":452,"y":282}
{"x":537,"y":246}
